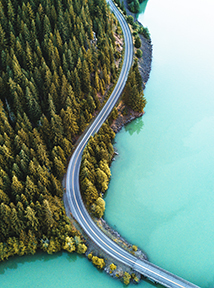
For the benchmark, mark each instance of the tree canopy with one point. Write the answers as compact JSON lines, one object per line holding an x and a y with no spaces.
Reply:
{"x":133,"y":93}
{"x":94,"y":171}
{"x":56,"y":58}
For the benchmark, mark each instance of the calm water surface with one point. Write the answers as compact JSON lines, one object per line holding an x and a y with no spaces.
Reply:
{"x":163,"y":177}
{"x":161,"y":195}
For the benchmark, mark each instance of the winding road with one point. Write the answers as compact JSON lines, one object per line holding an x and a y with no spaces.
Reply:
{"x":73,"y":195}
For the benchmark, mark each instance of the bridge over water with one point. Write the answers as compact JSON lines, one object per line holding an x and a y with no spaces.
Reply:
{"x":161,"y":276}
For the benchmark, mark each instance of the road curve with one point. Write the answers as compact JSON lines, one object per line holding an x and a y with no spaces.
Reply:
{"x":73,"y":195}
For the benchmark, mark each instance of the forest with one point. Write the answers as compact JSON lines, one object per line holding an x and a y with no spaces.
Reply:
{"x":58,"y":58}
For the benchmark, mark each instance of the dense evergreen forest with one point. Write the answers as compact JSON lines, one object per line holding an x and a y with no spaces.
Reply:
{"x":57,"y":58}
{"x":94,"y":170}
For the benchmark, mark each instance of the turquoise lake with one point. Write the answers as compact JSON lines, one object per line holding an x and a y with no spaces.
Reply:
{"x":161,"y":194}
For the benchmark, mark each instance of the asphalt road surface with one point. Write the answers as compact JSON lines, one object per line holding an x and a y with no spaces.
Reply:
{"x":75,"y":203}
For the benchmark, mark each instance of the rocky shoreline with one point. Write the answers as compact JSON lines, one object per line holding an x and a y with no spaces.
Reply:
{"x":122,"y":120}
{"x":125,"y":115}
{"x":125,"y":244}
{"x":121,"y":269}
{"x":144,"y":63}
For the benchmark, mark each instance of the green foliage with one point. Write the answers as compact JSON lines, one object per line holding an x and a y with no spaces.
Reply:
{"x":135,"y":278}
{"x":133,"y":94}
{"x":90,"y":256}
{"x":134,"y":6}
{"x":135,"y":33}
{"x":98,"y":262}
{"x":126,"y":278}
{"x":137,"y":42}
{"x":144,"y":31}
{"x":50,"y":67}
{"x":121,"y":5}
{"x":113,"y":115}
{"x":99,"y":207}
{"x":69,"y":244}
{"x":135,"y":26}
{"x":82,"y":248}
{"x":94,"y":170}
{"x":113,"y":266}
{"x":134,"y":247}
{"x":139,"y":53}
{"x":130,"y":19}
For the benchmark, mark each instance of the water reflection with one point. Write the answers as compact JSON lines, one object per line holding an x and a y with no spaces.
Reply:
{"x":72,"y":257}
{"x":135,"y":126}
{"x":14,"y":262}
{"x":143,"y":6}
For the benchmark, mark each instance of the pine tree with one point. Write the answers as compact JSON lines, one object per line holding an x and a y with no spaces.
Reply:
{"x":29,"y":57}
{"x":72,"y":102}
{"x":33,"y":106}
{"x":4,"y":197}
{"x":100,"y":207}
{"x":43,"y":176}
{"x":77,"y":85}
{"x":31,"y":190}
{"x":46,"y":131}
{"x":24,"y":200}
{"x":51,"y":107}
{"x":16,"y":171}
{"x":10,"y":11}
{"x":16,"y":223}
{"x":69,"y":123}
{"x":30,"y":12}
{"x":18,"y":76}
{"x":64,"y":92}
{"x":47,"y":26}
{"x":32,"y":221}
{"x":59,"y":167}
{"x":47,"y":77}
{"x":27,"y":35}
{"x":67,"y":147}
{"x":6,"y":153}
{"x":97,"y":82}
{"x":16,"y":186}
{"x":56,"y":186}
{"x":57,"y":128}
{"x":20,"y":212}
{"x":48,"y":215}
{"x":85,"y":78}
{"x":32,"y":243}
{"x":2,"y":39}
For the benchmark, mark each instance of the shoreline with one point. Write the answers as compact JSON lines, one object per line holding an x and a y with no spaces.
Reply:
{"x":144,"y":64}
